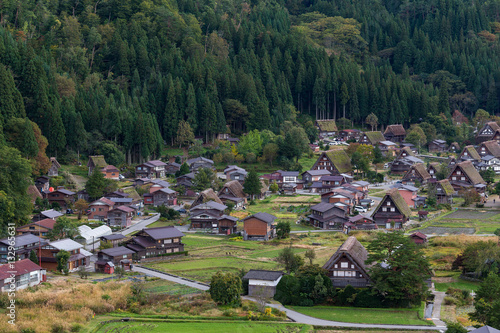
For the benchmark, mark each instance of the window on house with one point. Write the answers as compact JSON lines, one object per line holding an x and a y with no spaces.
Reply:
{"x":336,"y":266}
{"x":392,"y":209}
{"x":388,"y":203}
{"x":344,"y":265}
{"x":453,"y":178}
{"x":463,"y":178}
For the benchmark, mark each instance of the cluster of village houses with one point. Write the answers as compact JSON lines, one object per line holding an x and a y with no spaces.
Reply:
{"x":330,"y":177}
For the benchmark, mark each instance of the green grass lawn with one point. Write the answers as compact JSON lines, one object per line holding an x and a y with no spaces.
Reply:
{"x":167,"y":287}
{"x":203,"y":326}
{"x":366,"y":316}
{"x":203,"y":269}
{"x":455,"y":282}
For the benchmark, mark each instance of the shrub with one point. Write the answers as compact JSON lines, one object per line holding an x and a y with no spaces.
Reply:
{"x":455,"y":328}
{"x":346,"y":295}
{"x":57,"y":328}
{"x":364,"y":299}
{"x":76,"y":328}
{"x":448,"y":300}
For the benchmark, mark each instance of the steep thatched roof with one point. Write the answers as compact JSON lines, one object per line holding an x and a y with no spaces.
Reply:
{"x":375,"y":137}
{"x":435,"y":165}
{"x":446,"y":186}
{"x":235,"y":187}
{"x":327,"y":125}
{"x":408,"y":151}
{"x":472,"y":152}
{"x":492,"y":146}
{"x":398,"y":200}
{"x":471,"y":172}
{"x":395,"y":130}
{"x":340,"y":160}
{"x":98,"y":161}
{"x":419,"y":169}
{"x":205,"y":196}
{"x":53,"y":160}
{"x":351,"y":248}
{"x":34,"y":193}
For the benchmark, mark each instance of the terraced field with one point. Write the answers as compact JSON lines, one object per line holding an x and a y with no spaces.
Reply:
{"x":464,"y":221}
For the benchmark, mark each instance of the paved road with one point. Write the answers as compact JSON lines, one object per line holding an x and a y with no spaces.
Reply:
{"x":293,"y":315}
{"x":140,"y":225}
{"x":173,"y":278}
{"x":436,"y":311}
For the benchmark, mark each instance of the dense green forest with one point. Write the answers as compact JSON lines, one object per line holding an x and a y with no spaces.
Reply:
{"x":125,"y":72}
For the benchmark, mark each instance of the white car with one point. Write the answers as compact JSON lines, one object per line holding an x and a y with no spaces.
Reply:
{"x":360,"y":209}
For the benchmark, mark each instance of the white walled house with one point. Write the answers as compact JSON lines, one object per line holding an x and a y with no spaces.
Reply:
{"x":27,"y":274}
{"x":262,"y":283}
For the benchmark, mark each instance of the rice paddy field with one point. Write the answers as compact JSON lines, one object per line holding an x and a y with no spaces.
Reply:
{"x":464,"y":221}
{"x":209,"y":253}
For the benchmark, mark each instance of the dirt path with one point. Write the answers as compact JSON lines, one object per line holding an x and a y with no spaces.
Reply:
{"x":79,"y":181}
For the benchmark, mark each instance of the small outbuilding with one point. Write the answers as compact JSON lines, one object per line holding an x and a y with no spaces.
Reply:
{"x":422,"y":214}
{"x":419,"y":238}
{"x":262,"y":283}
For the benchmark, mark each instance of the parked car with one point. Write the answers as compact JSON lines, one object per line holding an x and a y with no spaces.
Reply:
{"x":69,"y":211}
{"x":360,"y":209}
{"x":121,"y":177}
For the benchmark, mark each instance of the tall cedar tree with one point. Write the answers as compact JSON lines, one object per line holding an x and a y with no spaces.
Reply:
{"x":252,"y":185}
{"x":400,"y":271}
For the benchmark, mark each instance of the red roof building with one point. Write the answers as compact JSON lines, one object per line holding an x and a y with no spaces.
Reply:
{"x":25,"y":273}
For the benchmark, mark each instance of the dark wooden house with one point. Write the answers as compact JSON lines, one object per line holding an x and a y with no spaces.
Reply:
{"x":23,"y":244}
{"x":151,"y":169}
{"x":156,"y":242}
{"x":444,"y":192}
{"x":326,"y":128}
{"x":54,"y":167}
{"x":94,"y":162}
{"x":347,"y":265}
{"x":206,"y":215}
{"x":371,"y":138}
{"x":162,"y":196}
{"x":259,"y":226}
{"x":120,"y":256}
{"x":62,"y":196}
{"x":395,"y":133}
{"x":335,"y":161}
{"x":120,"y":216}
{"x":487,"y":131}
{"x":438,"y":146}
{"x":433,"y":169}
{"x":327,"y":216}
{"x":469,"y":154}
{"x":200,"y":162}
{"x":392,"y":211}
{"x":359,"y":222}
{"x":417,"y":173}
{"x":489,"y":148}
{"x":464,"y":175}
{"x":232,"y":191}
{"x":419,"y":238}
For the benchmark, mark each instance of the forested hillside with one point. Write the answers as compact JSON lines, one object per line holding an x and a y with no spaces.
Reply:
{"x":120,"y":75}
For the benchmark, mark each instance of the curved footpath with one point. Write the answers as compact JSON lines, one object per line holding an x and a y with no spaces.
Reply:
{"x":293,"y":315}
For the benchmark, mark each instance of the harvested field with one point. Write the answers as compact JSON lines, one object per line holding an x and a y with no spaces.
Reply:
{"x":472,"y":214}
{"x":449,"y":231}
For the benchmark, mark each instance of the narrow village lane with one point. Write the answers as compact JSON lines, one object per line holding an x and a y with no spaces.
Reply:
{"x":293,"y":315}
